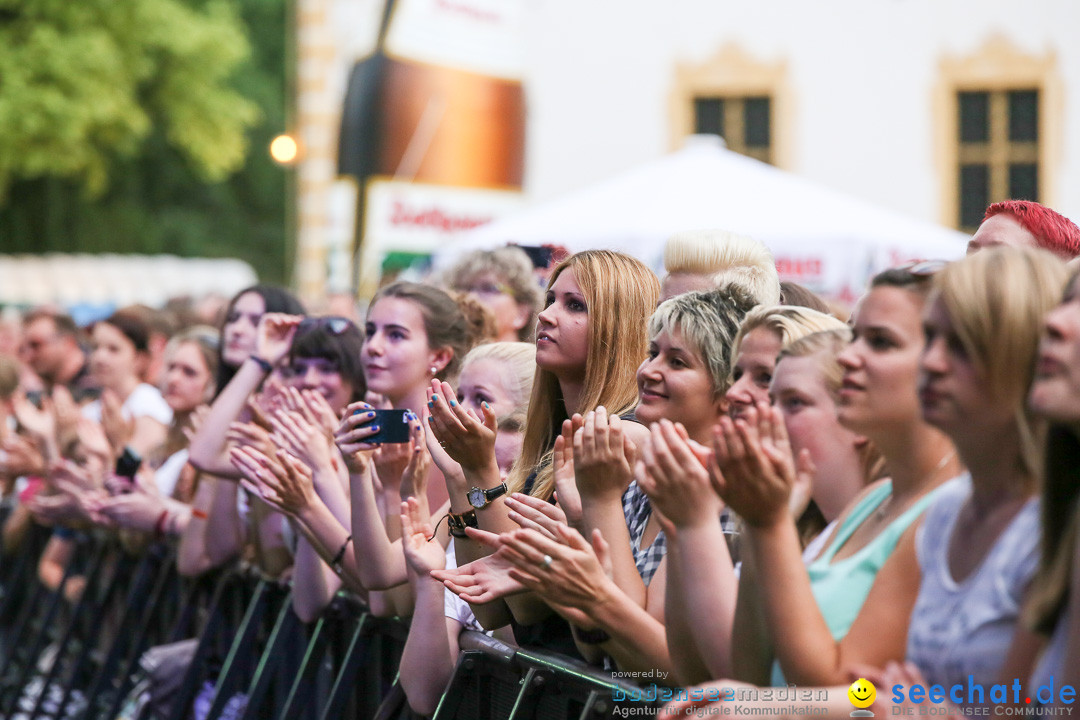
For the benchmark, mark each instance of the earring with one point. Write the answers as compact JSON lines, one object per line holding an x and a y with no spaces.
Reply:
{"x":434,"y":371}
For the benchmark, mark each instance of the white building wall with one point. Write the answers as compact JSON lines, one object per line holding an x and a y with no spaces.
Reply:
{"x":863,"y":73}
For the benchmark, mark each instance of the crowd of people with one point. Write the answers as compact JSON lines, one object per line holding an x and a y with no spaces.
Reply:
{"x":712,"y":480}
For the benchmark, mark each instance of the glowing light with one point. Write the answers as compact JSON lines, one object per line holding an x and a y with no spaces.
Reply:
{"x":284,"y":149}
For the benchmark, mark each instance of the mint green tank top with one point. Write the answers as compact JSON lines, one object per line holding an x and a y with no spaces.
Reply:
{"x":841,"y":587}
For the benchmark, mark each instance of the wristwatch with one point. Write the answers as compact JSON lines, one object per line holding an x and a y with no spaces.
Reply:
{"x":480,"y":498}
{"x":458,"y":523}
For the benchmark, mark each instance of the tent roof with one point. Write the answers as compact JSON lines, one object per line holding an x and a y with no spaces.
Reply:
{"x":704,"y":185}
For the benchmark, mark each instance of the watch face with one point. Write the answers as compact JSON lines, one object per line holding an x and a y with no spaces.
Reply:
{"x":476,"y":498}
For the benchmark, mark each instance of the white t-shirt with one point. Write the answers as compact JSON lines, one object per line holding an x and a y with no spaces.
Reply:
{"x":144,"y":401}
{"x":454,"y":607}
{"x":168,"y":473}
{"x":964,"y":628}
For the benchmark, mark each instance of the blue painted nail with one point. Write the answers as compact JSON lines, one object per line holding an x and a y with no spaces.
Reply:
{"x":486,"y":406}
{"x":375,"y":428}
{"x":434,"y":398}
{"x":369,"y":415}
{"x":429,"y":418}
{"x":453,"y":403}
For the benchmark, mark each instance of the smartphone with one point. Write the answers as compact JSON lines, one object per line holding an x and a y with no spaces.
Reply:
{"x":393,"y":426}
{"x":539,"y":254}
{"x":128,"y":464}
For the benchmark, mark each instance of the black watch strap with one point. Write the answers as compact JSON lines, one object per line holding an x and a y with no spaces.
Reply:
{"x":457,"y":523}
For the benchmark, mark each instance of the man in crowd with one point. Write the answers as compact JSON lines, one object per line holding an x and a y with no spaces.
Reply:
{"x":1026,"y":223}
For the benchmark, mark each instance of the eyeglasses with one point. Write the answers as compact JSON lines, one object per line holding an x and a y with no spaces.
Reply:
{"x":923,"y":268}
{"x":333,"y":325}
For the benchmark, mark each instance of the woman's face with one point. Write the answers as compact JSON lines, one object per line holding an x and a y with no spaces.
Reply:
{"x":238,"y":333}
{"x":953,"y":395}
{"x":507,"y":450}
{"x":187,"y":378}
{"x":809,"y":410}
{"x":396,"y":356}
{"x":1055,"y":392}
{"x":114,"y":361}
{"x":674,"y":384}
{"x":753,"y":370}
{"x":562,"y":329}
{"x":486,"y":380}
{"x":322,"y":376}
{"x":492,"y":292}
{"x":881,"y":365}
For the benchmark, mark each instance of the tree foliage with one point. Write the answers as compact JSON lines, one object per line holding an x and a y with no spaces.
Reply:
{"x":125,"y":127}
{"x":84,"y":81}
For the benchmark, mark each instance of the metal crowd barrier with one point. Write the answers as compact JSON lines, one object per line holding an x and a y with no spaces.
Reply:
{"x":263,"y":661}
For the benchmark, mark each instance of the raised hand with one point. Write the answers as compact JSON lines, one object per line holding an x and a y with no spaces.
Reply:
{"x":673,"y":473}
{"x":422,"y":554}
{"x":118,"y":429}
{"x":314,"y":407}
{"x":354,"y":427}
{"x":132,"y":511}
{"x":284,"y":482}
{"x":603,"y":456}
{"x":566,"y":490}
{"x":535,"y":514}
{"x":304,"y":439}
{"x":275,"y":335}
{"x":451,"y":471}
{"x":37,"y":422}
{"x":414,"y":480}
{"x":757,"y":471}
{"x":251,"y":435}
{"x":567,"y":573}
{"x":481,"y":581}
{"x":468,"y":439}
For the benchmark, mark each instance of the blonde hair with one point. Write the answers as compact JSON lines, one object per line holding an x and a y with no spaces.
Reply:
{"x":729,"y":258}
{"x":788,"y":322}
{"x":620,"y":293}
{"x":519,"y":359}
{"x":996,"y":300}
{"x":708,"y":322}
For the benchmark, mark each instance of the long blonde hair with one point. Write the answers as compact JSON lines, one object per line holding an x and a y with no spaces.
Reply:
{"x":996,"y":300}
{"x":621,"y":293}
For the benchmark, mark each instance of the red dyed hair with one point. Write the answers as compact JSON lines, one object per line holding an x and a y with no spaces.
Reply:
{"x":1052,"y":230}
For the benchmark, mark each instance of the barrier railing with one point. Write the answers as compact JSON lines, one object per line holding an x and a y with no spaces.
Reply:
{"x":262,"y":661}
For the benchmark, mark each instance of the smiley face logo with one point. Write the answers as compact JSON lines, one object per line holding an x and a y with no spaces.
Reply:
{"x":862,"y":693}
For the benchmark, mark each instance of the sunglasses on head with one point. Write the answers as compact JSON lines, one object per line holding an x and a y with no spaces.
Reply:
{"x":331,"y":324}
{"x":924,"y":268}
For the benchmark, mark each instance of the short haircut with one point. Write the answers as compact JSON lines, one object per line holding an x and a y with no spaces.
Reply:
{"x":1052,"y":230}
{"x":728,"y":258}
{"x":513,"y":267}
{"x":63,"y":322}
{"x":709,"y":323}
{"x":789,"y":322}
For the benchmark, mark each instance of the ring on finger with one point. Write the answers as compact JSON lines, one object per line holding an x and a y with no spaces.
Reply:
{"x":547,"y":562}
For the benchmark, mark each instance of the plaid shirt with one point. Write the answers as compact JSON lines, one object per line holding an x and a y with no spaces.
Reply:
{"x":637,"y":509}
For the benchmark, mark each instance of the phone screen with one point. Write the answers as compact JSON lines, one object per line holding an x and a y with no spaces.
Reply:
{"x":393,"y":427}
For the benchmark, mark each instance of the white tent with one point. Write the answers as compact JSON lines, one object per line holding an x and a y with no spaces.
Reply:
{"x":824,"y":239}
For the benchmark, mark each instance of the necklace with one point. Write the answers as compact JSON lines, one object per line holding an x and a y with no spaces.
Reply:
{"x":884,"y":507}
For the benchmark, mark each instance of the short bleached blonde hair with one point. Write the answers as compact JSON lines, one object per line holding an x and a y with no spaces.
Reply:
{"x":727,"y":258}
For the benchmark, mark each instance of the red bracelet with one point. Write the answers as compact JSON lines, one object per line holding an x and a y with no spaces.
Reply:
{"x":159,"y":526}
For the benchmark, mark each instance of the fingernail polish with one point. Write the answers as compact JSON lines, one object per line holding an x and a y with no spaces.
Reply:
{"x":369,"y":415}
{"x":486,"y":406}
{"x":375,"y":428}
{"x":453,"y":403}
{"x":434,"y":398}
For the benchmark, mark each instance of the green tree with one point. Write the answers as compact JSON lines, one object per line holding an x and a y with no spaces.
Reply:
{"x":125,"y":127}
